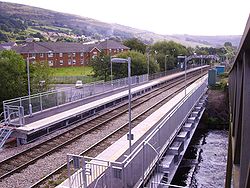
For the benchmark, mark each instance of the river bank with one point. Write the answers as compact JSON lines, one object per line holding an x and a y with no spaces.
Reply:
{"x":204,"y":163}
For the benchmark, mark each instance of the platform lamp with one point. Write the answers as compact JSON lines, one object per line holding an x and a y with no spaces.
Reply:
{"x":148,"y":53}
{"x":128,"y":61}
{"x":111,"y":68}
{"x":166,"y":64}
{"x":181,"y":57}
{"x":28,"y":74}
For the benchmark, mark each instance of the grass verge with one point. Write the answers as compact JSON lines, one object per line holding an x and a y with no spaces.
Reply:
{"x":72,"y":71}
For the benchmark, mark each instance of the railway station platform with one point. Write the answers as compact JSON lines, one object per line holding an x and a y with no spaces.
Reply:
{"x":65,"y":115}
{"x":159,"y":140}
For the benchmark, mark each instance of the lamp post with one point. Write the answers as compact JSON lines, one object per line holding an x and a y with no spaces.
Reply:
{"x":201,"y":63}
{"x":185,"y":68}
{"x":122,"y":60}
{"x":155,"y":56}
{"x":185,"y":62}
{"x":111,"y":68}
{"x":148,"y":51}
{"x":166,"y":63}
{"x":28,"y":74}
{"x":148,"y":64}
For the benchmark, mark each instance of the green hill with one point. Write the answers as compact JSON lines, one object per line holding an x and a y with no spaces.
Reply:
{"x":18,"y":22}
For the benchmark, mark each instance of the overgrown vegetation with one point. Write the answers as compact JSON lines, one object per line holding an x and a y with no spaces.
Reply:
{"x":217,"y":109}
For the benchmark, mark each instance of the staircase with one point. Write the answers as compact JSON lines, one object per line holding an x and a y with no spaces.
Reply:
{"x":5,"y":133}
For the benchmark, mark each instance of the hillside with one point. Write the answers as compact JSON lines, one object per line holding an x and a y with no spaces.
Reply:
{"x":18,"y":22}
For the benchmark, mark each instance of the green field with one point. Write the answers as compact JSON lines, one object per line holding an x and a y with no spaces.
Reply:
{"x":72,"y":71}
{"x":33,"y":31}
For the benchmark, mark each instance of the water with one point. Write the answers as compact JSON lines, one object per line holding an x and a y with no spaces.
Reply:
{"x":204,"y":164}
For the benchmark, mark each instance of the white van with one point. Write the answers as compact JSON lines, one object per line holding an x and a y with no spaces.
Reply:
{"x":79,"y":84}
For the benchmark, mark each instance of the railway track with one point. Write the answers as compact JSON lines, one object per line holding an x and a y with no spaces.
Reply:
{"x":22,"y":160}
{"x":60,"y":174}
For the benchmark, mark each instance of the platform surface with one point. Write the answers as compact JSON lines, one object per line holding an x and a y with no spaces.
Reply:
{"x":120,"y":147}
{"x":119,"y":150}
{"x":58,"y":117}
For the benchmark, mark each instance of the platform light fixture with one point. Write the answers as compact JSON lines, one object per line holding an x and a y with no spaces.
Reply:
{"x":148,"y":53}
{"x":166,"y":64}
{"x":130,"y":136}
{"x":185,"y":67}
{"x":28,"y":75}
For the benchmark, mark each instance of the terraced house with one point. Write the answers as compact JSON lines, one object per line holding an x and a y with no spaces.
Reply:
{"x":64,"y":54}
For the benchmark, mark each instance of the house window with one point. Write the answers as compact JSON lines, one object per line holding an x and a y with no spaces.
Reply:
{"x":95,"y":53}
{"x":73,"y":54}
{"x":69,"y":62}
{"x":50,"y":63}
{"x":41,"y":55}
{"x":93,"y":56}
{"x":74,"y":61}
{"x":61,"y":62}
{"x":81,"y":54}
{"x":82,"y":61}
{"x":69,"y":54}
{"x":122,"y":50}
{"x":33,"y":55}
{"x":50,"y":54}
{"x":60,"y":54}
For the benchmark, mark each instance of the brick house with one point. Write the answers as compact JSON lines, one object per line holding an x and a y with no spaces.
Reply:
{"x":64,"y":54}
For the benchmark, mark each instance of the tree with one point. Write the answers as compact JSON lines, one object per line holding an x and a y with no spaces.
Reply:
{"x":3,"y":37}
{"x":169,"y":49}
{"x":135,"y":44}
{"x":40,"y":74}
{"x":101,"y":66}
{"x":37,"y":35}
{"x":13,"y":76}
{"x":138,"y":65}
{"x":13,"y":82}
{"x":228,"y":44}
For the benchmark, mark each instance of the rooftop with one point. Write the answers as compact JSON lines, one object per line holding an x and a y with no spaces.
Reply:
{"x":65,"y":47}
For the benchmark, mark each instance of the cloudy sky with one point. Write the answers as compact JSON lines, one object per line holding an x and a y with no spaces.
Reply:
{"x":194,"y":17}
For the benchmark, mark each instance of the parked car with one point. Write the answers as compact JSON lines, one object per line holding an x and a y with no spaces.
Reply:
{"x":79,"y":84}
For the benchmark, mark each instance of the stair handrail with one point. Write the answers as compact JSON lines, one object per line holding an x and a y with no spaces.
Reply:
{"x":5,"y":138}
{"x":8,"y":118}
{"x":1,"y":121}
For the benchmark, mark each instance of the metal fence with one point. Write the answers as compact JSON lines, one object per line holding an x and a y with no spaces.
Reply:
{"x":37,"y":103}
{"x":132,"y":172}
{"x":47,"y":100}
{"x":72,"y":79}
{"x":168,"y":72}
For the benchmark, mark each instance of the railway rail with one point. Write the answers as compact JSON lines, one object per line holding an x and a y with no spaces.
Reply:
{"x":23,"y":159}
{"x":60,"y":173}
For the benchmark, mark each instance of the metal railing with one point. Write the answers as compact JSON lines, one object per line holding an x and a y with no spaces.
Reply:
{"x":1,"y":117}
{"x":138,"y":165}
{"x":72,"y":79}
{"x":55,"y":98}
{"x":51,"y":99}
